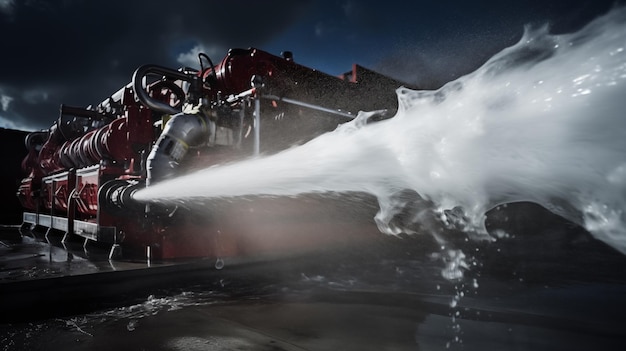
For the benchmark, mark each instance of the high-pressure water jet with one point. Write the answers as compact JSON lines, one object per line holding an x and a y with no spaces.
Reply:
{"x":541,"y":121}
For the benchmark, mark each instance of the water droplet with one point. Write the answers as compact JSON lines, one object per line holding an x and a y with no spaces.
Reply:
{"x":132,"y":325}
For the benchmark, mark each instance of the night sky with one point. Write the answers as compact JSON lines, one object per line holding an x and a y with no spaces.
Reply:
{"x":78,"y":52}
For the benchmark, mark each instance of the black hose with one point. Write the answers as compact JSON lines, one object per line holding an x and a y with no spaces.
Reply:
{"x":200,"y":56}
{"x":143,"y":95}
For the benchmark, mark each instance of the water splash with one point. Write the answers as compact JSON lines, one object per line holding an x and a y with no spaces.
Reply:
{"x":541,"y":121}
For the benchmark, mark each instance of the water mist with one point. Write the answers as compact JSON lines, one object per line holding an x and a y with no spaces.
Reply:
{"x":542,"y":121}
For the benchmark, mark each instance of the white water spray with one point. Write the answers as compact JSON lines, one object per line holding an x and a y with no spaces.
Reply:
{"x":542,"y":121}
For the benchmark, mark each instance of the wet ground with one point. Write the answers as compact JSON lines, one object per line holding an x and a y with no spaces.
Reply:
{"x":546,"y":286}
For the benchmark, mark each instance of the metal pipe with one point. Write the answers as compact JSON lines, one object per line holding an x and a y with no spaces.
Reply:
{"x":77,"y":111}
{"x":307,"y":105}
{"x":257,"y":126}
{"x":257,"y":86}
{"x":242,"y":114}
{"x":182,"y":132}
{"x":116,"y":197}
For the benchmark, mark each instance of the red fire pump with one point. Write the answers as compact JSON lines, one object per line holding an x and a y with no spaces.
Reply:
{"x":83,"y":170}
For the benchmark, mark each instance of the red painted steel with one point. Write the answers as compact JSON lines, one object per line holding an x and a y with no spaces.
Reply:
{"x":85,"y":167}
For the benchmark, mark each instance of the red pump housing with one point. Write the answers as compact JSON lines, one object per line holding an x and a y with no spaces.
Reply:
{"x":84,"y":169}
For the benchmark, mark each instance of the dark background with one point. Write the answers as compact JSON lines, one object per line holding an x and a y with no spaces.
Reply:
{"x":78,"y":52}
{"x":14,"y":151}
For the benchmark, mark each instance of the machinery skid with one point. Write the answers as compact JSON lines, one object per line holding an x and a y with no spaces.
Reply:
{"x":83,"y":171}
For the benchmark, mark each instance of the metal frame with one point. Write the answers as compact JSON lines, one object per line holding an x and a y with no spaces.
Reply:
{"x":87,"y":230}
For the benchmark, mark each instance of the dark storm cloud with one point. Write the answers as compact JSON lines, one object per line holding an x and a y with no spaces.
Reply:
{"x":79,"y":51}
{"x":429,"y":43}
{"x":439,"y":42}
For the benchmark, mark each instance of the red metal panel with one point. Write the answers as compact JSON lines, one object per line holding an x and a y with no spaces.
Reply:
{"x":87,"y":182}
